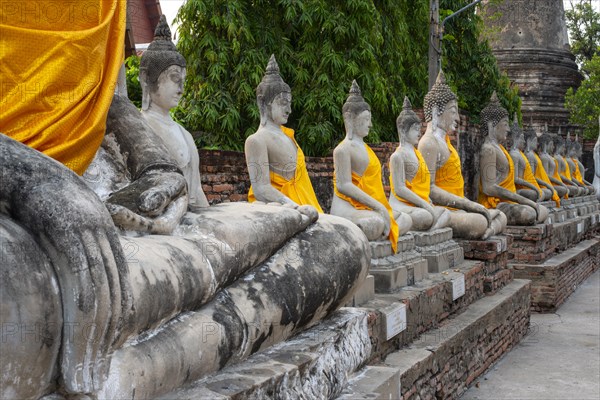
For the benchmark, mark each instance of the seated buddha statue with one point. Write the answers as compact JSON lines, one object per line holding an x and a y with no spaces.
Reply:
{"x":138,"y":316}
{"x":596,"y":182}
{"x":573,"y":152}
{"x":545,"y":151}
{"x":562,"y":167}
{"x":537,"y":167}
{"x":525,"y":182}
{"x":468,"y":219}
{"x":275,"y":162}
{"x":497,"y":172}
{"x":358,"y":189}
{"x":410,"y":179}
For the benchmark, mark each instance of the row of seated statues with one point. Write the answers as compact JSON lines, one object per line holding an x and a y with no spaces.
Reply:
{"x":133,"y":273}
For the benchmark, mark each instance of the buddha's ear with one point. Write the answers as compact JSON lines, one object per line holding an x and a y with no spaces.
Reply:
{"x":435,"y":115}
{"x":263,"y":109}
{"x":491,"y":127}
{"x":348,"y":124}
{"x":143,"y":78}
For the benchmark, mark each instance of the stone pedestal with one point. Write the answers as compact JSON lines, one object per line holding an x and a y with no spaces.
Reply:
{"x":438,"y":248}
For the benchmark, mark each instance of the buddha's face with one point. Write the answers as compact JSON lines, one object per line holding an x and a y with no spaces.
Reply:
{"x":500,"y":131}
{"x":532,"y":143}
{"x":413,"y":134}
{"x":169,"y":88}
{"x":449,"y":119}
{"x":550,"y":147}
{"x":519,"y":142}
{"x":281,"y":108}
{"x":362,"y":124}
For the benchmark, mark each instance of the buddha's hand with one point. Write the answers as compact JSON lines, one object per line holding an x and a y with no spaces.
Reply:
{"x":386,"y":220}
{"x":536,"y":207}
{"x":310,"y":212}
{"x":485,"y":212}
{"x":429,"y":208}
{"x":168,"y":186}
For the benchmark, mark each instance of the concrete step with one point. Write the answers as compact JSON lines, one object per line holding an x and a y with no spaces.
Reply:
{"x":556,"y":279}
{"x":444,"y":361}
{"x":312,"y":365}
{"x":374,"y":383}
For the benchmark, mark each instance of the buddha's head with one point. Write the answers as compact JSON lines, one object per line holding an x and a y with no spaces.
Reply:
{"x":494,"y":120}
{"x":559,"y":144}
{"x":273,"y":96}
{"x":517,"y":138}
{"x":577,"y":149}
{"x":531,"y":138}
{"x":441,"y":106}
{"x":162,"y":70}
{"x":408,"y":124}
{"x":545,"y":143}
{"x":357,"y":113}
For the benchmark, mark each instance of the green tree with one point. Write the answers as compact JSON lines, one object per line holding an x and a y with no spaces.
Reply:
{"x":321,"y":46}
{"x":584,"y":104}
{"x":132,"y":75}
{"x":583,"y":23}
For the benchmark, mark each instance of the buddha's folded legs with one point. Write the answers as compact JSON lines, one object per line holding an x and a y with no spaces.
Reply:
{"x":519,"y":214}
{"x":528,"y":193}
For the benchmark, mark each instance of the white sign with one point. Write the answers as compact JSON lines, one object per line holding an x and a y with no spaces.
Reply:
{"x":580,"y":227}
{"x":395,"y":320}
{"x":458,"y":287}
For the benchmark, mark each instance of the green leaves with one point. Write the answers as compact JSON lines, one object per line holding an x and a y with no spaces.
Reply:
{"x":584,"y":104}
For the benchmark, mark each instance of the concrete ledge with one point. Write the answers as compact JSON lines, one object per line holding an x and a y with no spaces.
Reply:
{"x":494,"y":252}
{"x":373,"y":383}
{"x":446,"y":360}
{"x":558,"y":277}
{"x":314,"y":364}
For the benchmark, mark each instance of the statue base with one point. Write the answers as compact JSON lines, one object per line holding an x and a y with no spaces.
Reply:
{"x":438,"y":248}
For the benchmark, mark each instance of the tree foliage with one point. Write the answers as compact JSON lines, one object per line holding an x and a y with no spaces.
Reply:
{"x":321,"y":46}
{"x":583,"y":23}
{"x":584,"y":104}
{"x":132,"y":76}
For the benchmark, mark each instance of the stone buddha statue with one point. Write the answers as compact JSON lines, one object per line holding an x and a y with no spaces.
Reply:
{"x":275,"y":162}
{"x":162,"y":75}
{"x":574,"y":152}
{"x":358,"y":189}
{"x":525,"y":182}
{"x":531,"y":140}
{"x":497,"y":172}
{"x":138,"y":316}
{"x":410,"y":178}
{"x":596,"y":182}
{"x":468,"y":219}
{"x":563,"y":168}
{"x":545,"y":152}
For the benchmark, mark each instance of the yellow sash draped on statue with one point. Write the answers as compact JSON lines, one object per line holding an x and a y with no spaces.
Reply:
{"x":299,"y":189}
{"x":541,"y":174}
{"x":567,"y":170}
{"x":508,"y":183}
{"x":370,"y":183}
{"x":60,"y":62}
{"x":577,"y":174}
{"x":528,"y":175}
{"x":556,"y":175}
{"x":420,"y":184}
{"x":449,"y":176}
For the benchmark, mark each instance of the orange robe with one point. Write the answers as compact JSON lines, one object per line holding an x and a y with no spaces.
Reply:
{"x":420,"y":184}
{"x":58,"y":76}
{"x":528,"y":175}
{"x":299,"y":189}
{"x":449,"y":176}
{"x":370,"y":183}
{"x":508,"y":183}
{"x":541,"y":174}
{"x":577,"y":174}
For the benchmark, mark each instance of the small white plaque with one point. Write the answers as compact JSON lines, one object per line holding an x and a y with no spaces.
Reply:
{"x":395,"y":320}
{"x":580,"y":227}
{"x":498,"y":247}
{"x":458,"y":287}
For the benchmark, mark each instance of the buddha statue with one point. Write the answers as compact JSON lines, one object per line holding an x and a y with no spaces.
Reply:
{"x":468,"y":219}
{"x":358,"y":189}
{"x":410,"y":178}
{"x":545,"y":151}
{"x":275,"y":162}
{"x":573,"y":152}
{"x":126,"y":316}
{"x":537,"y":167}
{"x":497,"y":172}
{"x":162,"y":66}
{"x":525,"y":182}
{"x":596,"y":182}
{"x":563,"y":168}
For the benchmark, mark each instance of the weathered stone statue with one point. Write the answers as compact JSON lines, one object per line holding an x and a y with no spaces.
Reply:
{"x":563,"y":168}
{"x":124,"y":317}
{"x":275,"y":161}
{"x":545,"y":151}
{"x":537,"y":167}
{"x":573,"y":152}
{"x":596,"y":182}
{"x":468,"y":219}
{"x":410,"y":180}
{"x":497,"y":171}
{"x":162,"y":74}
{"x":525,"y":182}
{"x":359,"y":194}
